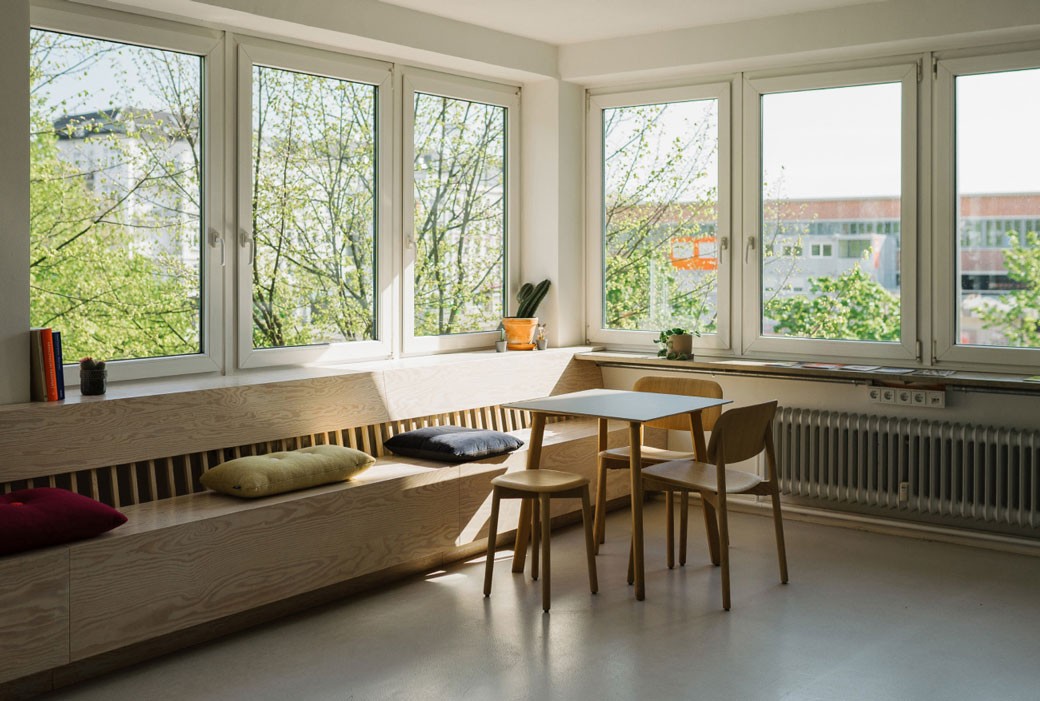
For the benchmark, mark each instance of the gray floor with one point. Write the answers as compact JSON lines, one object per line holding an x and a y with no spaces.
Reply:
{"x":865,"y":617}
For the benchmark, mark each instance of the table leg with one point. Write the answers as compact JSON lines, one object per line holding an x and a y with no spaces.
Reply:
{"x":711,"y":525}
{"x":534,"y":458}
{"x":635,"y":468}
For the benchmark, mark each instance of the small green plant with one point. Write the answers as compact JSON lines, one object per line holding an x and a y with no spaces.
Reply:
{"x":530,"y":296}
{"x":664,"y":340}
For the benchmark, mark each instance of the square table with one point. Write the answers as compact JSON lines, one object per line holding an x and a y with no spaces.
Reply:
{"x":635,"y":408}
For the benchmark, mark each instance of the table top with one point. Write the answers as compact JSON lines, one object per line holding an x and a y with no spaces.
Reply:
{"x":618,"y":404}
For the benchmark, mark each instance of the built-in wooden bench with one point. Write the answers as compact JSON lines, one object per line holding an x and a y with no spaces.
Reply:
{"x":187,"y":559}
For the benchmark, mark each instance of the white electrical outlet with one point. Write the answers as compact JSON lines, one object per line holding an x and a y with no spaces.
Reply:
{"x":920,"y":398}
{"x":936,"y":399}
{"x":888,"y":395}
{"x":874,"y":394}
{"x":904,"y":396}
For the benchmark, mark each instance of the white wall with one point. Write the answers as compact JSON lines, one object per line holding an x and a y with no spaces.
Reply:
{"x":14,"y":203}
{"x":552,"y":209}
{"x":891,"y":27}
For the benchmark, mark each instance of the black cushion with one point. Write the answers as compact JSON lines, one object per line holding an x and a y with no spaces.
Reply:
{"x":452,"y":443}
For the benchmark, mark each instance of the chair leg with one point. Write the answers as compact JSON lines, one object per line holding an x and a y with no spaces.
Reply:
{"x":724,"y":550}
{"x":684,"y":524}
{"x":492,"y":531}
{"x":546,"y":526}
{"x":669,"y":516}
{"x":711,"y":528}
{"x":601,"y":503}
{"x":590,"y":546}
{"x":631,"y":562}
{"x":536,"y":537}
{"x":781,"y":550}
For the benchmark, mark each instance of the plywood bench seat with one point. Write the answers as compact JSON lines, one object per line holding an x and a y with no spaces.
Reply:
{"x":189,"y":560}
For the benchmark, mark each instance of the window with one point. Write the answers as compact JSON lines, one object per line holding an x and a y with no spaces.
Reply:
{"x":998,"y":290}
{"x":459,"y":206}
{"x":118,"y":262}
{"x":310,"y":189}
{"x":660,"y":224}
{"x":987,"y":224}
{"x":848,"y":180}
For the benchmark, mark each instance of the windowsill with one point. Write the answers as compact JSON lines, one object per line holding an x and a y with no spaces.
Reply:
{"x":250,"y":377}
{"x":960,"y":378}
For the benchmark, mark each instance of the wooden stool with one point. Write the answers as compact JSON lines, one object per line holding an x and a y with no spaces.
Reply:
{"x":540,"y":486}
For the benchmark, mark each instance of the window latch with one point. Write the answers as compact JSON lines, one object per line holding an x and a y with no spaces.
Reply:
{"x":245,"y":238}
{"x":750,"y":246}
{"x":215,"y":239}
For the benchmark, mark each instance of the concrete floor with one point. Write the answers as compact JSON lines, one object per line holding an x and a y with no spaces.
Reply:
{"x":865,"y":616}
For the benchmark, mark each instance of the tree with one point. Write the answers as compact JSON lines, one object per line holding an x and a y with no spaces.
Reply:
{"x":460,"y":216}
{"x":850,"y":306}
{"x":657,"y":190}
{"x":111,"y":207}
{"x":1017,"y":315}
{"x":313,"y":209}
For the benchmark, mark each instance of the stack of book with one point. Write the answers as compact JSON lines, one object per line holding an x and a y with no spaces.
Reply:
{"x":46,"y":371}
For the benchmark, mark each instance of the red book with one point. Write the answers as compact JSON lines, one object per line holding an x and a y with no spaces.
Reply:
{"x":50,"y":374}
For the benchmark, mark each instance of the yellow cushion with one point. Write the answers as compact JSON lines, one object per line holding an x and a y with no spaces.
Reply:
{"x":274,"y":473}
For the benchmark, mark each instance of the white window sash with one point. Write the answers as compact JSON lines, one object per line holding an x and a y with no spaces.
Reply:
{"x":758,"y":344}
{"x":595,"y":302}
{"x":414,"y":81}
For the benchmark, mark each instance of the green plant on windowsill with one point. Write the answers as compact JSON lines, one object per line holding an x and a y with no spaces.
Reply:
{"x":676,"y":344}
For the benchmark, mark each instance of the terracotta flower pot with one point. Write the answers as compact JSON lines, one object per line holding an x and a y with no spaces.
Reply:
{"x":520,"y":332}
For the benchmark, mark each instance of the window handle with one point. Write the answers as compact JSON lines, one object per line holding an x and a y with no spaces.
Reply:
{"x":245,"y":238}
{"x":750,"y":246}
{"x":724,"y":243}
{"x":216,"y":239}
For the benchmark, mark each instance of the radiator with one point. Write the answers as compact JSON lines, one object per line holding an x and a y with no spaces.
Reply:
{"x":974,"y":476}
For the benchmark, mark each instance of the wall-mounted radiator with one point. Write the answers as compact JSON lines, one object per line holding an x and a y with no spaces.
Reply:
{"x":980,"y":477}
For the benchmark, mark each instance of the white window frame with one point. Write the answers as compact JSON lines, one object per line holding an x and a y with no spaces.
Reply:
{"x":501,"y":95}
{"x":758,"y":344}
{"x":107,"y":25}
{"x":595,"y":303}
{"x":948,"y":67}
{"x":312,"y":61}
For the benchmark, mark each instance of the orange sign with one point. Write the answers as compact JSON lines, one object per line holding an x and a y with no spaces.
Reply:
{"x":694,"y":253}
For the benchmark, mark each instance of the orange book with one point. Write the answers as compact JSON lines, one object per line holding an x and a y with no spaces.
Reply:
{"x":50,"y":374}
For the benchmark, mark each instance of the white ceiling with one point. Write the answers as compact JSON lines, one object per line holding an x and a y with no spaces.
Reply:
{"x":574,"y":21}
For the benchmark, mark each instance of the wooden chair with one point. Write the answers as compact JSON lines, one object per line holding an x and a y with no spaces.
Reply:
{"x":739,"y":434}
{"x":540,"y":486}
{"x":617,"y":459}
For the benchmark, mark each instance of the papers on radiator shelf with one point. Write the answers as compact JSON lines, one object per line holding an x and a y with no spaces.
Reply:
{"x":895,"y":371}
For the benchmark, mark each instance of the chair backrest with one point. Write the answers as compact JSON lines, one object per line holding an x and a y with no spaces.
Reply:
{"x":688,"y":386}
{"x":741,"y":433}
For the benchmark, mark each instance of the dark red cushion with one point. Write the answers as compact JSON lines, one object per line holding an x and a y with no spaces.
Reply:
{"x":36,"y":518}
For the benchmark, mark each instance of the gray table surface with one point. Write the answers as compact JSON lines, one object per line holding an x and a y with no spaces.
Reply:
{"x":621,"y":405}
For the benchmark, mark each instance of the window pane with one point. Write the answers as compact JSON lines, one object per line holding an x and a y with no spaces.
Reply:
{"x":115,"y":196}
{"x":831,"y":176}
{"x":660,"y":218}
{"x":313,"y":209}
{"x":460,"y":215}
{"x":998,"y":212}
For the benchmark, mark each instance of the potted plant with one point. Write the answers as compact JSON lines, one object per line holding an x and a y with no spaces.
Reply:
{"x":676,"y":344}
{"x":500,"y":344}
{"x":520,"y":328}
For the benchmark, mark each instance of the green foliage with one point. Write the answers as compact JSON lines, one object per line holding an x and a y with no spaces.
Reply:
{"x":664,"y":338}
{"x":97,"y":269}
{"x":1017,"y":315}
{"x":850,"y":306}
